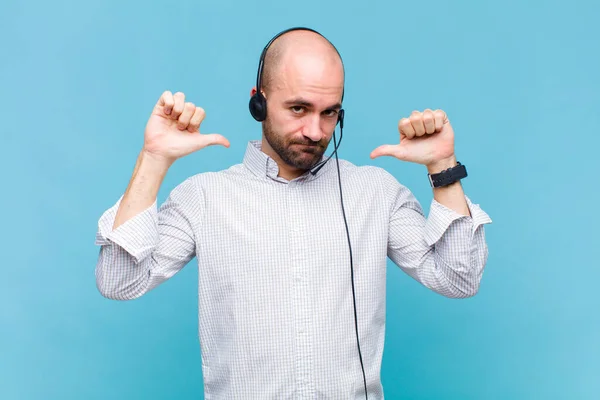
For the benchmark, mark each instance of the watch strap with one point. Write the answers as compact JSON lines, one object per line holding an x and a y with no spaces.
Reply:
{"x":448,"y":176}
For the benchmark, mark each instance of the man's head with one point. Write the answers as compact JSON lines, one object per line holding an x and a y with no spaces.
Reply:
{"x":303,"y":83}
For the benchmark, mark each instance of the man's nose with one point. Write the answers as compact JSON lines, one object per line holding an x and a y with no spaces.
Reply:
{"x":312,"y":129}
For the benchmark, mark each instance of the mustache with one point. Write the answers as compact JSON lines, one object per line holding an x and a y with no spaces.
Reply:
{"x":308,"y":142}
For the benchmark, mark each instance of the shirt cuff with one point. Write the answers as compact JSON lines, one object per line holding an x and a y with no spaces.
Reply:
{"x":138,"y":236}
{"x":441,"y":217}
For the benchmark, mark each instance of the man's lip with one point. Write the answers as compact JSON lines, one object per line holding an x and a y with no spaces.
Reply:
{"x":307,"y":145}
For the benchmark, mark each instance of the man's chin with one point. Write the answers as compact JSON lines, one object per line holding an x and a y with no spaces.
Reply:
{"x":304,"y":161}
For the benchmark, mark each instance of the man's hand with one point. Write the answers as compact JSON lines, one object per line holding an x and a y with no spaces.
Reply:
{"x":173,"y":131}
{"x":425,"y":138}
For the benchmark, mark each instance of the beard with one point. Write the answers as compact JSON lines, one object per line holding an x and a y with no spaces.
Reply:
{"x":301,"y":153}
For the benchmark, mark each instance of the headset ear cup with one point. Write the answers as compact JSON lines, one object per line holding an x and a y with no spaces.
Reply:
{"x":258,"y":107}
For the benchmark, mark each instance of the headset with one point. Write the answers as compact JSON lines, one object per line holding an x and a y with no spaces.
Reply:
{"x":258,"y":110}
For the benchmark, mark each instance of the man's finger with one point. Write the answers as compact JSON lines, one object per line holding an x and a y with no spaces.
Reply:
{"x":406,"y":128}
{"x":186,"y":116}
{"x":196,"y":120}
{"x":179,"y":99}
{"x":428,"y":121}
{"x":166,"y":102}
{"x":416,"y":120}
{"x":439,"y":118}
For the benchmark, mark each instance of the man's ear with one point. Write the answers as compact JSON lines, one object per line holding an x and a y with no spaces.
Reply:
{"x":253,"y":91}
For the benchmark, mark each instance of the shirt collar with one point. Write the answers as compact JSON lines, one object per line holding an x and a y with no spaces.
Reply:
{"x":261,"y":165}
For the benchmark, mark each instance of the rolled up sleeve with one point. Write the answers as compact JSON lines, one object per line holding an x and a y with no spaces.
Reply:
{"x":150,"y":247}
{"x":446,"y":252}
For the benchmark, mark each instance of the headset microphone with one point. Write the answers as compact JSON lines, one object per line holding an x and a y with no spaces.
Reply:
{"x":320,"y":165}
{"x":258,"y":109}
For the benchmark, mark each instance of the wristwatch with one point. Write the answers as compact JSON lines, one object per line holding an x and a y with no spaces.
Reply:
{"x":448,"y":176}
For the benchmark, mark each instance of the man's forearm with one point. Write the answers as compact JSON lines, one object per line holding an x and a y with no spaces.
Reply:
{"x":451,"y":196}
{"x":148,"y":175}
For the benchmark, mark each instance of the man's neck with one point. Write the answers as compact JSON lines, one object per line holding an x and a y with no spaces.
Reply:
{"x":285,"y":171}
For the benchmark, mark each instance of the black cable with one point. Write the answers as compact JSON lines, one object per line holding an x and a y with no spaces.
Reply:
{"x":351,"y":268}
{"x":258,"y":110}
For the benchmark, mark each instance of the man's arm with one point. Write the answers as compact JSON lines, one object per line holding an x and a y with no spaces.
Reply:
{"x":140,"y":245}
{"x":452,"y":196}
{"x":447,"y":251}
{"x":149,"y":246}
{"x":143,"y":187}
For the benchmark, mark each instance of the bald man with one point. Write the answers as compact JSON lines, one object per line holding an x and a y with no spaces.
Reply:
{"x":276,"y":289}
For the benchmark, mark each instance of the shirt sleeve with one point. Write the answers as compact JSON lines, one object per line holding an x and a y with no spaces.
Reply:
{"x":149,"y":248}
{"x":445,"y":252}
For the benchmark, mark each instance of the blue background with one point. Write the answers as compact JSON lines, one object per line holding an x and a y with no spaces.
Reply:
{"x":518,"y":81}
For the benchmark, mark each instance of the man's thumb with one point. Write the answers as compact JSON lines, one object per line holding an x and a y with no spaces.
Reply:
{"x":389,"y":150}
{"x":212,"y":139}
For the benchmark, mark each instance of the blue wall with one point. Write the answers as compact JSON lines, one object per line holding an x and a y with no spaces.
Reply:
{"x":518,"y":81}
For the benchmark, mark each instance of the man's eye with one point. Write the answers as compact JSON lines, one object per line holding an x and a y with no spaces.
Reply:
{"x":330,"y":113}
{"x":297,"y":109}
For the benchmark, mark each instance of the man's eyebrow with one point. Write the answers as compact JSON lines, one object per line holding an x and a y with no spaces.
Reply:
{"x":336,"y":106}
{"x":308,"y":104}
{"x":298,"y":102}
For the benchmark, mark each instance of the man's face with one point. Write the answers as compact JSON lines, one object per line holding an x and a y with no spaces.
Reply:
{"x":302,"y":111}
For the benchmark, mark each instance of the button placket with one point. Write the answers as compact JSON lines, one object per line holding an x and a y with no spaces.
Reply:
{"x":298,"y":242}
